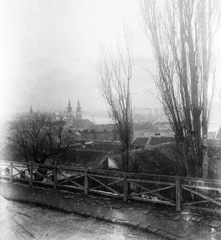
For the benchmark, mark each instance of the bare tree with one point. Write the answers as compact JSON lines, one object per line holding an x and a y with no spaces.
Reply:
{"x":27,"y":133}
{"x":38,"y":135}
{"x":56,"y":132}
{"x":114,"y":76}
{"x":181,"y":33}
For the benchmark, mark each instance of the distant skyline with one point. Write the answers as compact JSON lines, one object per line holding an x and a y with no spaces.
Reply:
{"x":49,"y":51}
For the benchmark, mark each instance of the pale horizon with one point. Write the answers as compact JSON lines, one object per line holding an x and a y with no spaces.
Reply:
{"x":49,"y":52}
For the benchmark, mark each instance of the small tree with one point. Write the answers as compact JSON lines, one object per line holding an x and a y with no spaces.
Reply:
{"x":114,"y":75}
{"x":56,"y":132}
{"x":181,"y":33}
{"x":37,"y":134}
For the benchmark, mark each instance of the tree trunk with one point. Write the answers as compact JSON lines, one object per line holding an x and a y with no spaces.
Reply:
{"x":205,"y":91}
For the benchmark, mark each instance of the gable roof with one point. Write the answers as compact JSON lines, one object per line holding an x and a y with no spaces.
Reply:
{"x":141,"y":141}
{"x":154,"y":140}
{"x":75,"y":136}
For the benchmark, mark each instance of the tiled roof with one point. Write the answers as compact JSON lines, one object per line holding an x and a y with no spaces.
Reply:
{"x":141,"y":141}
{"x":159,"y":140}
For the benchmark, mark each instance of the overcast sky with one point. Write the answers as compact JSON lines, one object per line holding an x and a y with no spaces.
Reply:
{"x":49,"y":51}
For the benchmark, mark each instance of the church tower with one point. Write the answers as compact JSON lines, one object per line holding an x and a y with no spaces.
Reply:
{"x":69,"y":113}
{"x":69,"y":108}
{"x":78,"y":111}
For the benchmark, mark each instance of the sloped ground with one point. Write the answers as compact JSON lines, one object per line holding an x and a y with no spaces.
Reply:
{"x":153,"y":161}
{"x":19,"y":221}
{"x":164,"y":159}
{"x":159,"y":160}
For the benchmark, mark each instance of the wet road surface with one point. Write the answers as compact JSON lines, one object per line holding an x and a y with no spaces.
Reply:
{"x":23,"y":221}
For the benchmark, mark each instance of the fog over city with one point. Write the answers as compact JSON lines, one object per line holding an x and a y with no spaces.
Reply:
{"x":49,"y":52}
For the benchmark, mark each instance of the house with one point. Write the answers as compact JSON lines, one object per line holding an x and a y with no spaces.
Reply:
{"x":81,"y":124}
{"x":140,"y":142}
{"x":156,"y":140}
{"x":74,"y":137}
{"x":102,"y":135}
{"x":76,"y":122}
{"x":147,"y":129}
{"x":103,"y":127}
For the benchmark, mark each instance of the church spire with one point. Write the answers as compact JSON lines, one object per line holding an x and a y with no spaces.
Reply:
{"x":69,"y":114}
{"x":78,"y":111}
{"x":69,"y":108}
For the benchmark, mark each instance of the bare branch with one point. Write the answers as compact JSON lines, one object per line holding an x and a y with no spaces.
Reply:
{"x":114,"y":75}
{"x":181,"y":33}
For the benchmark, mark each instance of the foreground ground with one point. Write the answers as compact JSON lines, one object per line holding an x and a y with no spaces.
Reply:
{"x":27,"y":221}
{"x":160,"y":220}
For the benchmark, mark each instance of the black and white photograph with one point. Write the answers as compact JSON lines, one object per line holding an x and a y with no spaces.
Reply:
{"x":110,"y":119}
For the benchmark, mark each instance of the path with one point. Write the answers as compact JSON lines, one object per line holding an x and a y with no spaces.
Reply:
{"x":164,"y":222}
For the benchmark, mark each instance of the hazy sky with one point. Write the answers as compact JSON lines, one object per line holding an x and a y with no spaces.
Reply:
{"x":49,"y":51}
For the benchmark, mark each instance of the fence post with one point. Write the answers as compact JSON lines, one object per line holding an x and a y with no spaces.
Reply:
{"x":178,"y":195}
{"x":125,"y":188}
{"x":31,"y":175}
{"x":11,"y":172}
{"x":55,"y":178}
{"x":86,"y":183}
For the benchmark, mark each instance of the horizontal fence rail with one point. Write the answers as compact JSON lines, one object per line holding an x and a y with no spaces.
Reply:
{"x":175,"y":191}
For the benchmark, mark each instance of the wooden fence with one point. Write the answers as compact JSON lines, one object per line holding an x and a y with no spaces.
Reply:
{"x":178,"y":192}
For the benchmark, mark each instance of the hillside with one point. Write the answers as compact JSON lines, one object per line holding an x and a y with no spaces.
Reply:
{"x":160,"y":161}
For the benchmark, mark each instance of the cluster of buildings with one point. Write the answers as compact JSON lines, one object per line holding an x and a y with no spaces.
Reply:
{"x":75,"y":121}
{"x":104,"y":136}
{"x":86,"y":134}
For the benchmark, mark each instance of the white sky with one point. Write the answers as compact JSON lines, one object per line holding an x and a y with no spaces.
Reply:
{"x":49,"y":50}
